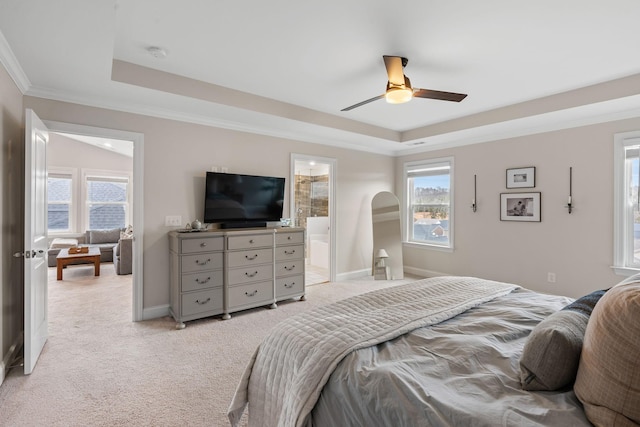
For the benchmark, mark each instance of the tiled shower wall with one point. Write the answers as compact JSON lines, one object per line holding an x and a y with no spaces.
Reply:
{"x":312,"y":197}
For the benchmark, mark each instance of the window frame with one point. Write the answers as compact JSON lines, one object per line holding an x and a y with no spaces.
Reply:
{"x":623,"y":239}
{"x":73,"y":175}
{"x":409,"y":169}
{"x":105,"y":175}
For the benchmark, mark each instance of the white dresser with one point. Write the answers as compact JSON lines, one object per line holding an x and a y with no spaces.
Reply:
{"x":224,"y":271}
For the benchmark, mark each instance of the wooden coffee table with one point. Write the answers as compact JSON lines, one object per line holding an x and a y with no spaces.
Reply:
{"x":64,"y":258}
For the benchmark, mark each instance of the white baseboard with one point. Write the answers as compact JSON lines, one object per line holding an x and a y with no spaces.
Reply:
{"x":155,"y":312}
{"x":424,"y":273}
{"x":353,"y":275}
{"x":11,"y":355}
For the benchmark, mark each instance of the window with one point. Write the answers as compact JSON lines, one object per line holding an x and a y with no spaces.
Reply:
{"x":429,"y":202}
{"x":107,"y":202}
{"x":626,"y":203}
{"x":60,"y":201}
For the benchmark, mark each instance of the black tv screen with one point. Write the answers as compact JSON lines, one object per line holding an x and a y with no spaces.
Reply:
{"x":242,"y":198}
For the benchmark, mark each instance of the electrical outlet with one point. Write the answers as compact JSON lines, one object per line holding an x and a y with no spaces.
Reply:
{"x":173,"y":221}
{"x":551,"y":277}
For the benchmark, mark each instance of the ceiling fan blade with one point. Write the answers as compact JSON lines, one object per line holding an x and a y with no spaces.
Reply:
{"x":360,"y":104}
{"x":436,"y":94}
{"x":394,"y":69}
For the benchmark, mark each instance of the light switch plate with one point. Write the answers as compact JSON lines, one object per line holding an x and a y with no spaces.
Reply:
{"x":173,"y":220}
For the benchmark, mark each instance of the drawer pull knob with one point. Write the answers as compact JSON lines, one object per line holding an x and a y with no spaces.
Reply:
{"x":290,"y":268}
{"x":203,"y":244}
{"x":289,"y":286}
{"x":251,"y":241}
{"x":203,"y":302}
{"x":288,"y":237}
{"x":202,"y":282}
{"x":251,"y":258}
{"x":251,"y":294}
{"x":250,"y":274}
{"x":203,"y":262}
{"x":290,"y":252}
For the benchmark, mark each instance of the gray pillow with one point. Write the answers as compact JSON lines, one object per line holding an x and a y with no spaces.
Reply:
{"x":551,"y":355}
{"x":104,"y":236}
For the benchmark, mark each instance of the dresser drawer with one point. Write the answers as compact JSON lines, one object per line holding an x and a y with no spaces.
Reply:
{"x":253,"y":295}
{"x":289,"y":238}
{"x":201,"y":262}
{"x":289,"y":252}
{"x":250,"y":257}
{"x":253,"y":273}
{"x":287,"y":268}
{"x":289,"y":286}
{"x":204,"y":244}
{"x":250,"y":241}
{"x":203,"y":301}
{"x":203,"y":280}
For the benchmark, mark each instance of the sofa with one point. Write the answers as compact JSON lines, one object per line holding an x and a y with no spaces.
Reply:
{"x":123,"y":256}
{"x":113,"y":247}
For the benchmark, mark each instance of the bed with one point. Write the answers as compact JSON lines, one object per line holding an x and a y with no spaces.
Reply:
{"x":445,"y":351}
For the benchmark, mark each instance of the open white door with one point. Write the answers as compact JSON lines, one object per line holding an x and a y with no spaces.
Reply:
{"x":35,"y":241}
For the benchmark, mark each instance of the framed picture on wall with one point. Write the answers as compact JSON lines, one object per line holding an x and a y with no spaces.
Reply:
{"x":520,"y":207}
{"x":521,"y":177}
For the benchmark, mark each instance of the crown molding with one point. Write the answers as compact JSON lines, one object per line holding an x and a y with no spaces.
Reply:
{"x":334,"y":140}
{"x":11,"y":64}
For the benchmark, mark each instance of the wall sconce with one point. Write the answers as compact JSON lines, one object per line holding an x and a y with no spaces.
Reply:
{"x":570,"y":201}
{"x":474,"y":206}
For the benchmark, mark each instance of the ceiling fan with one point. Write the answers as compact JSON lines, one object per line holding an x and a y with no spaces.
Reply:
{"x":399,"y":88}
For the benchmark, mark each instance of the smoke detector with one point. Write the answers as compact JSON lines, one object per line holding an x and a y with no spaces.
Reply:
{"x":157,"y":52}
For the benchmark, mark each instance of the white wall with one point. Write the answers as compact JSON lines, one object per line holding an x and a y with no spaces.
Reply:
{"x":66,"y":152}
{"x":578,"y":247}
{"x":177,"y":154}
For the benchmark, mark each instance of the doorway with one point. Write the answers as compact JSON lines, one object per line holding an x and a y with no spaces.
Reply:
{"x":118,"y":142}
{"x":313,"y":209}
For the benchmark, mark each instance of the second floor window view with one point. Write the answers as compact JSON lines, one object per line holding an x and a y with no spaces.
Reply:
{"x":59,"y":195}
{"x":429,"y":198}
{"x":627,"y":202}
{"x":98,"y":201}
{"x":107,"y":204}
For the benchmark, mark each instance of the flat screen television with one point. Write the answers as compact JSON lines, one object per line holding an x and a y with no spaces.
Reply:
{"x":235,"y":200}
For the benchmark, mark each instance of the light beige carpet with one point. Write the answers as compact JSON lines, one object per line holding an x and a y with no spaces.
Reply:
{"x":99,"y":368}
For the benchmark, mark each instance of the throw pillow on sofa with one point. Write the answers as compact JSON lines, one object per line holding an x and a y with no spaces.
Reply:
{"x":104,"y":236}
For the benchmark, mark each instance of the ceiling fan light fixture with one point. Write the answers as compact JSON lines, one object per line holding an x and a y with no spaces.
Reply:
{"x":398,"y":95}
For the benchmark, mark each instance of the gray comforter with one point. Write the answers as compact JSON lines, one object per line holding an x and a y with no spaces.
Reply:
{"x":288,"y":370}
{"x":462,"y":372}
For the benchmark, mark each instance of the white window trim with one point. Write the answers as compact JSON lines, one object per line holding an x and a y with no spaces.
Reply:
{"x":73,"y":208}
{"x":101,"y":173}
{"x":622,"y":237}
{"x":412,"y":166}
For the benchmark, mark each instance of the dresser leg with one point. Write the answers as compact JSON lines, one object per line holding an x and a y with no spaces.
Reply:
{"x":180,"y":325}
{"x":303,"y":298}
{"x":274,"y":305}
{"x":226,"y":316}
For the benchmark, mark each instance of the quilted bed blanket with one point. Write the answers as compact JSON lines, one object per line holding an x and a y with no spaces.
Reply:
{"x":288,"y":370}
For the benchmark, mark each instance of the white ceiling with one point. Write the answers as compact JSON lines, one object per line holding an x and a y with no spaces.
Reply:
{"x":286,"y":68}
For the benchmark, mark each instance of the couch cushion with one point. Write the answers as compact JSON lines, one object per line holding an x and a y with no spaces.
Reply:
{"x":60,"y":243}
{"x":104,"y":236}
{"x":551,"y":354}
{"x":608,"y":380}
